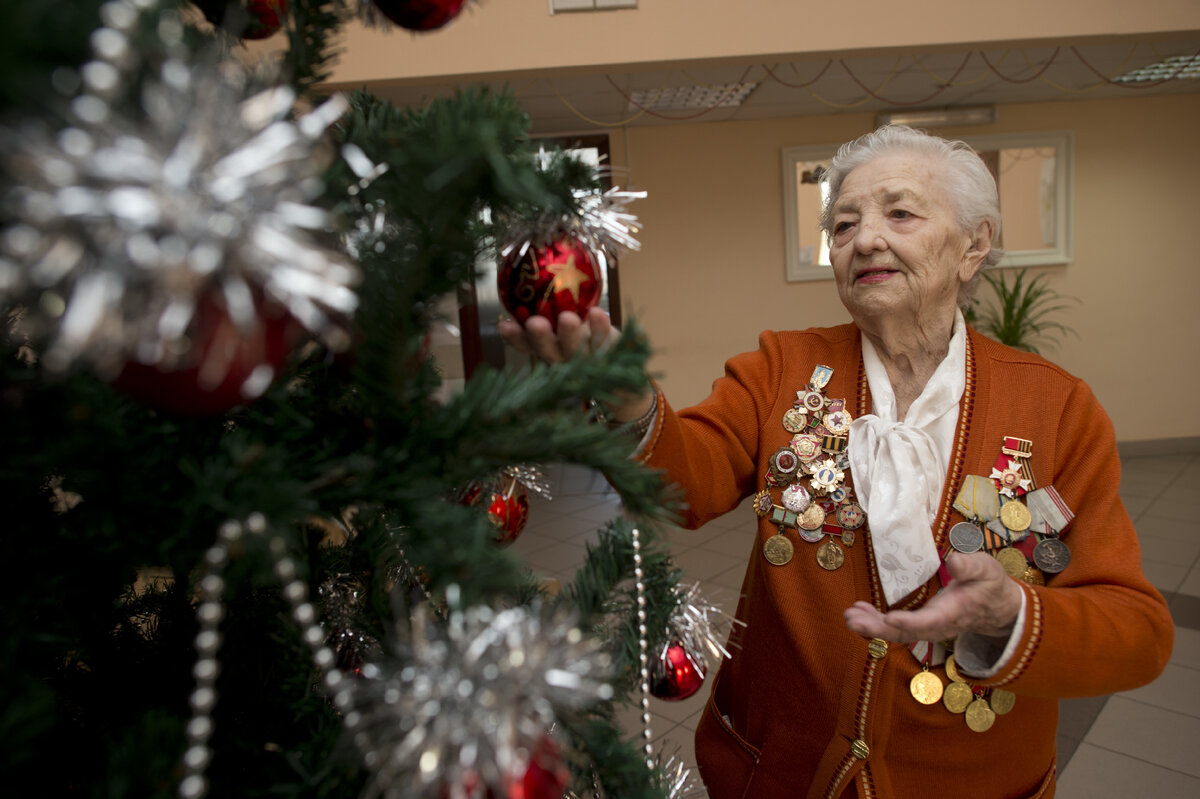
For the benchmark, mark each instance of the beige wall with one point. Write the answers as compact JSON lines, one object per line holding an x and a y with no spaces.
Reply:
{"x":515,"y":35}
{"x":710,"y":274}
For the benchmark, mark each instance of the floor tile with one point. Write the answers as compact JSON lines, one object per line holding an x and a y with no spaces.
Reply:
{"x":1162,"y":737}
{"x":1177,"y":689}
{"x":1185,"y":610}
{"x":1065,"y":746}
{"x":701,"y":564}
{"x":1096,"y":773}
{"x":1170,"y":550}
{"x":1076,"y":716}
{"x":1165,"y":576}
{"x":1187,"y":649}
{"x":558,"y":559}
{"x":1153,"y":525}
{"x":735,"y":543}
{"x":1191,"y":583}
{"x":1182,"y":510}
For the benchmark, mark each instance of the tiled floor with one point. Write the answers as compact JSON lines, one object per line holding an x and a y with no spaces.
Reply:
{"x":1139,"y":743}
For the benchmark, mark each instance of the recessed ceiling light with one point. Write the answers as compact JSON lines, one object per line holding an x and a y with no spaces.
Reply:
{"x":724,"y":95}
{"x":1180,"y":66}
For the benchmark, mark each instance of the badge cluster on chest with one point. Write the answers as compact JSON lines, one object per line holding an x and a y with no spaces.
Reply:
{"x":1012,"y":519}
{"x":806,"y":479}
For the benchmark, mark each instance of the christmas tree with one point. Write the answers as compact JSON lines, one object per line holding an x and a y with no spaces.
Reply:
{"x":254,"y":549}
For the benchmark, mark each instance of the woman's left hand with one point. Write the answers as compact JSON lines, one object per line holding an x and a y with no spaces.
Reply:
{"x":981,"y":598}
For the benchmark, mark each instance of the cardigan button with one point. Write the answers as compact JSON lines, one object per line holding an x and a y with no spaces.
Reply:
{"x":859,"y":748}
{"x":877,"y":648}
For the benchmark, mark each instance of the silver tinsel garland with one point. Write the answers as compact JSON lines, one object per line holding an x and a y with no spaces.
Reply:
{"x":124,"y":219}
{"x":467,"y":703}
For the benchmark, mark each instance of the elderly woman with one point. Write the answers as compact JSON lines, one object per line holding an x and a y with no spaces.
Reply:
{"x":941,"y":552}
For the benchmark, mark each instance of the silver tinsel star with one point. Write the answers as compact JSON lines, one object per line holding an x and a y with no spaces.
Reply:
{"x":467,"y":703}
{"x":141,"y":205}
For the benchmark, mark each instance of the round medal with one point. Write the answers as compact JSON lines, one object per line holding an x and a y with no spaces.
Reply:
{"x":778,"y":550}
{"x":980,"y":717}
{"x":795,"y":420}
{"x":830,"y":556}
{"x":812,"y":518}
{"x":1033,"y":576}
{"x":1015,"y":516}
{"x":1002,"y":701}
{"x":952,"y":670}
{"x":796,"y":498}
{"x":1051,"y":555}
{"x":1012,"y":560}
{"x":785,"y":461}
{"x":814,"y":401}
{"x":966,"y":537}
{"x":837,"y":422}
{"x":925,"y":687}
{"x":957,"y":697}
{"x":851,"y":516}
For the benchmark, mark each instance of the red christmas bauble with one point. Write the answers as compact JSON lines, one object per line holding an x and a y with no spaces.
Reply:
{"x":545,"y":777}
{"x":676,"y":674}
{"x":420,"y":15}
{"x":226,"y":366}
{"x":259,"y":19}
{"x":562,"y":276}
{"x":507,"y":503}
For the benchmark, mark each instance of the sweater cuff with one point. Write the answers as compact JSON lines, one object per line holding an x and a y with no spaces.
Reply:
{"x":985,"y":656}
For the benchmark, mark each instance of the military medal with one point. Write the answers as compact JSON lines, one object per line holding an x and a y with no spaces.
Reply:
{"x":1051,"y":555}
{"x":1013,"y":561}
{"x":778,"y":549}
{"x":830,"y":556}
{"x":1001,"y":701}
{"x":980,"y":716}
{"x":966,"y":538}
{"x":952,"y":669}
{"x":1015,"y":516}
{"x":957,"y":697}
{"x":926,"y":687}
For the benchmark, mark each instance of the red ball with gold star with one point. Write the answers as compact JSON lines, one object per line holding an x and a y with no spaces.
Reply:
{"x":545,"y":280}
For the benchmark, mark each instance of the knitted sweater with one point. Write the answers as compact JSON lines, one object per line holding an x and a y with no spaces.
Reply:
{"x":805,"y":707}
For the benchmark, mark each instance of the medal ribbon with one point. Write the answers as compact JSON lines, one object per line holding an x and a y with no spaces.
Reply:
{"x":1048,"y":512}
{"x":978,"y":499}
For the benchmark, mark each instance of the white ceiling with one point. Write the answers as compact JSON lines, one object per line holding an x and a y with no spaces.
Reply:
{"x":581,"y":100}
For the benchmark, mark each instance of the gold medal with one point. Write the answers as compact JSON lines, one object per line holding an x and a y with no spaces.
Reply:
{"x":952,"y":669}
{"x":1033,"y":576}
{"x":1015,"y":516}
{"x":1002,"y":701}
{"x":830,"y":556}
{"x":980,"y":716}
{"x":778,"y":549}
{"x":812,"y":518}
{"x":1012,"y":560}
{"x":957,"y":697}
{"x":926,"y":687}
{"x":795,"y":420}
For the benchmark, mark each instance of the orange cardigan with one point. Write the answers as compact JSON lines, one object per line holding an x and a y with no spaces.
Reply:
{"x":805,"y":707}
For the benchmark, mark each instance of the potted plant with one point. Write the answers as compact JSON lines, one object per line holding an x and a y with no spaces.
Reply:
{"x":1020,"y":313}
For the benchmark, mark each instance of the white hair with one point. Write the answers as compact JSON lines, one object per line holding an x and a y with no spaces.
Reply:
{"x":969,"y":182}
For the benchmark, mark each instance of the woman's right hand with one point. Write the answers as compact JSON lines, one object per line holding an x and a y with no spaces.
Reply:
{"x":595,"y":333}
{"x":537,"y":337}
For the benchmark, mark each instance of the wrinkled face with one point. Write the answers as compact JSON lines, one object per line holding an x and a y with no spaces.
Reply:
{"x":898,"y":253}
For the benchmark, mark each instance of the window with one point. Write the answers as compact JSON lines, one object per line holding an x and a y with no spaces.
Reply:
{"x":1033,"y":172}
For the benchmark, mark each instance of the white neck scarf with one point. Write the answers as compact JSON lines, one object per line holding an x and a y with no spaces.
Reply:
{"x":899,"y":467}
